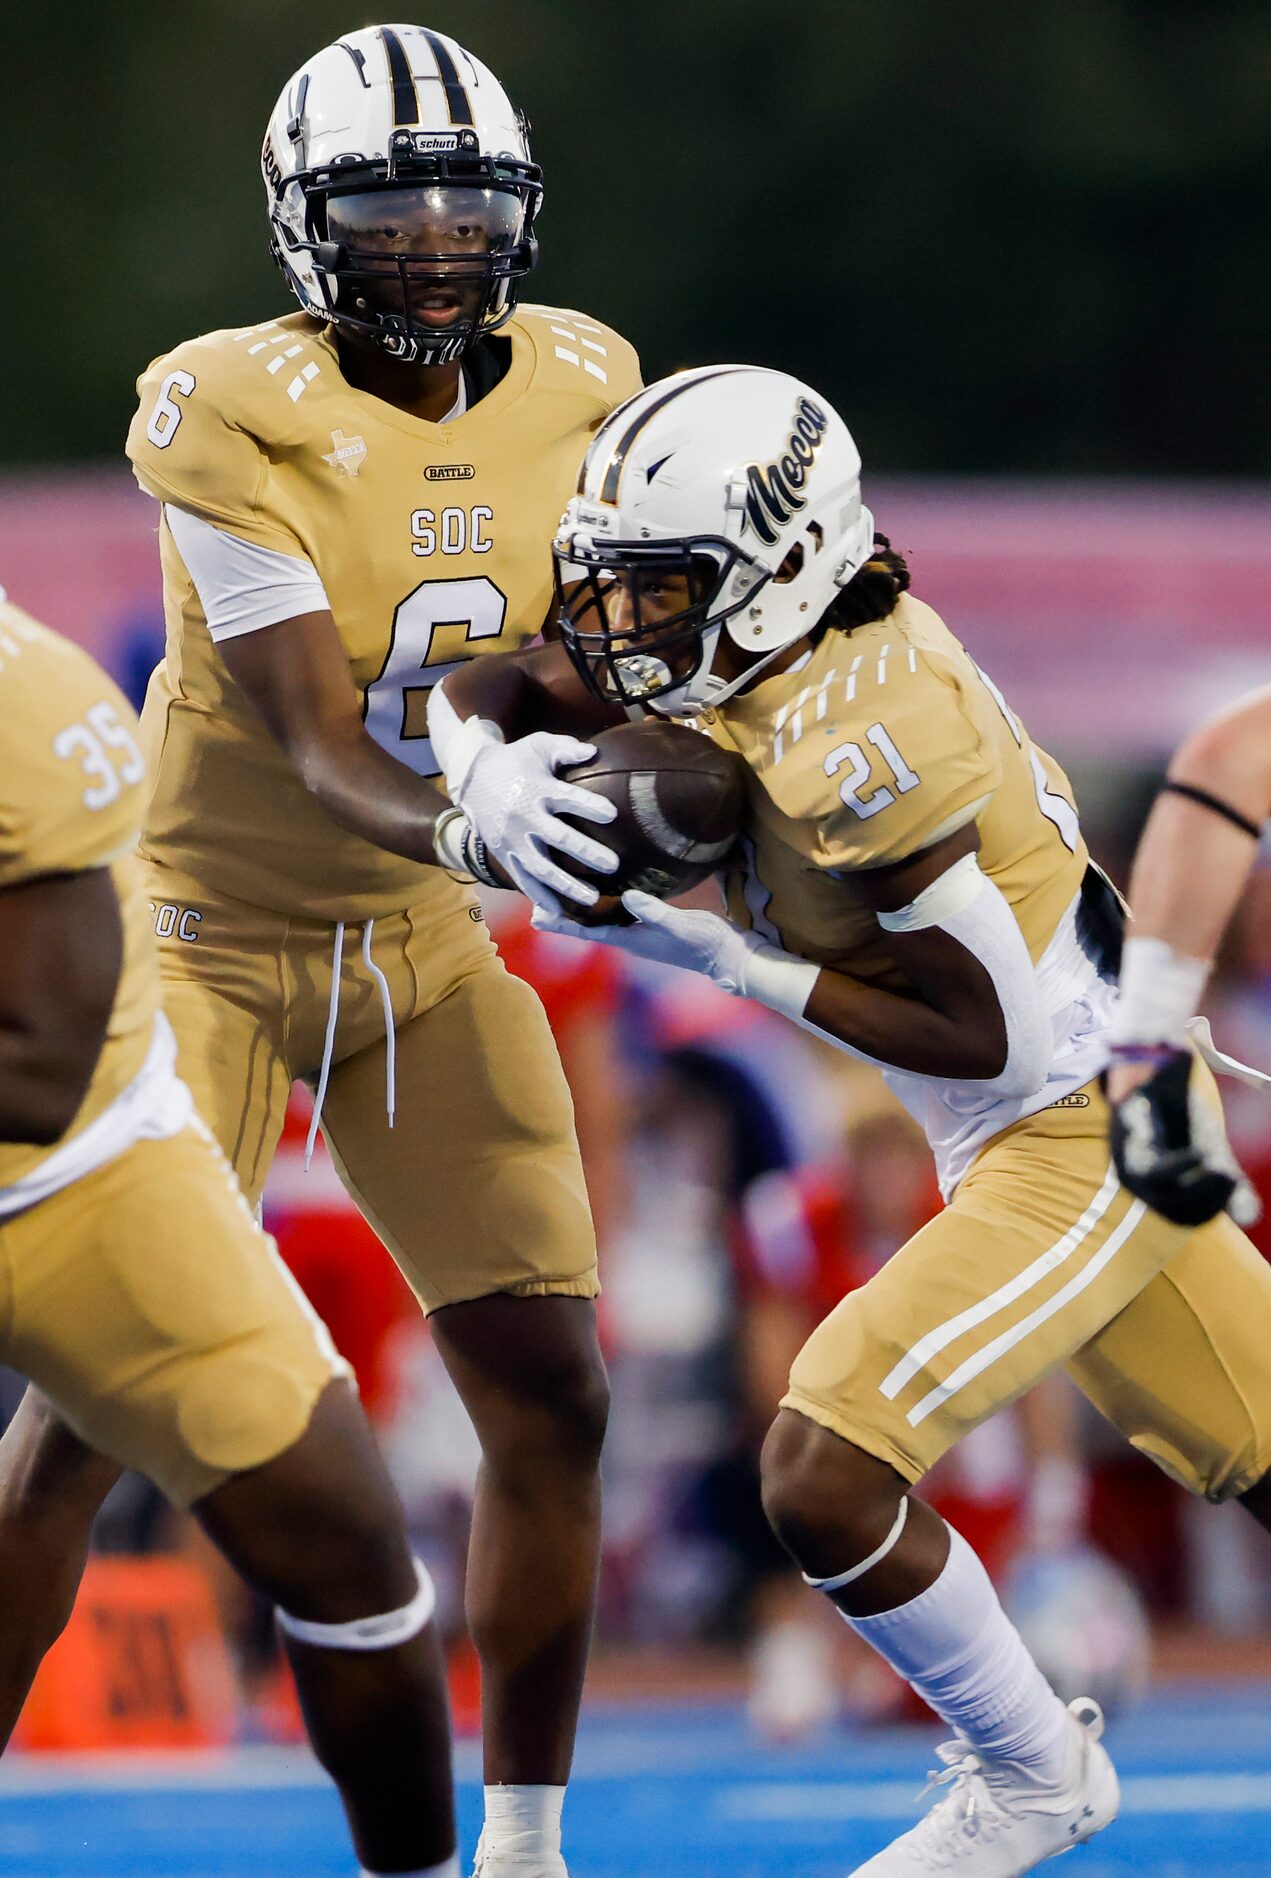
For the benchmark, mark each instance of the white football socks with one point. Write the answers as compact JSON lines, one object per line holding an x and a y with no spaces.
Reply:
{"x":956,"y":1646}
{"x":450,"y":1869}
{"x":522,"y":1822}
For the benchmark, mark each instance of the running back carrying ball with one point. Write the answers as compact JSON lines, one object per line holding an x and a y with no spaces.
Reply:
{"x":680,"y":800}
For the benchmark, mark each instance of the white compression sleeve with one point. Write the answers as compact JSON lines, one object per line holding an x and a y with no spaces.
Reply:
{"x":965,"y":903}
{"x":242,"y":586}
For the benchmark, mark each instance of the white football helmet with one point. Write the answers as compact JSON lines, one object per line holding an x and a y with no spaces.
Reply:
{"x":724,"y":499}
{"x":401,"y":193}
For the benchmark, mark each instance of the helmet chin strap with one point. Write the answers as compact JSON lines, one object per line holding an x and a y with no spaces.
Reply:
{"x":686,"y":700}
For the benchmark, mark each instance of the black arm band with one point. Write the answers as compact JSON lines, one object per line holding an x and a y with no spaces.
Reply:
{"x":477,"y":855}
{"x":1214,"y":804}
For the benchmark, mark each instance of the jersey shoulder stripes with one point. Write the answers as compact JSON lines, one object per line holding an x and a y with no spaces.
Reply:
{"x":227,"y":424}
{"x":212,"y":413}
{"x":876,"y":746}
{"x":580,"y":355}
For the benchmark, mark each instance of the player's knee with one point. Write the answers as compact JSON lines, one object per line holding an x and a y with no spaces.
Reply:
{"x":567,"y":1419}
{"x":817,"y":1488}
{"x":319,"y":1529}
{"x":583,"y":1405}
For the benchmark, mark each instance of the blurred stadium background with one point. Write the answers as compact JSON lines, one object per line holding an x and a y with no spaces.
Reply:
{"x":1028,"y":254}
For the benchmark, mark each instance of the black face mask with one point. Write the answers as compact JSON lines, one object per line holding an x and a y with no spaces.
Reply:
{"x":634,"y":617}
{"x":420,"y":256}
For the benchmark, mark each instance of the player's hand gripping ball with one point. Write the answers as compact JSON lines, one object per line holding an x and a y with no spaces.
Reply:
{"x":680,"y":802}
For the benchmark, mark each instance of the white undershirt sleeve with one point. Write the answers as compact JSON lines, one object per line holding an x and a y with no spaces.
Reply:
{"x":241,"y":586}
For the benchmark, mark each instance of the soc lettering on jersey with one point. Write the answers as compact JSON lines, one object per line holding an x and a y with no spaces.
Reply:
{"x":431,"y":542}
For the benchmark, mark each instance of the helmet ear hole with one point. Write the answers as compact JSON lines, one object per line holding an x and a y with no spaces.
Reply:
{"x":791,"y":566}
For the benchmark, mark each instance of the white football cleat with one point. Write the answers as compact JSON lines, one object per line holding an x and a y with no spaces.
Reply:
{"x":517,"y":1864}
{"x":997,"y":1820}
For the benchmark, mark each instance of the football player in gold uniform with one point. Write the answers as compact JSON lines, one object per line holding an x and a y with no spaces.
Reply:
{"x":1193,"y":861}
{"x":916,"y":889}
{"x":143,"y":1299}
{"x":354,"y":498}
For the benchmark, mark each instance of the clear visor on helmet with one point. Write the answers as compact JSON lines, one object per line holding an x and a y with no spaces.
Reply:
{"x":441,"y":222}
{"x":432,"y":252}
{"x":633,"y":617}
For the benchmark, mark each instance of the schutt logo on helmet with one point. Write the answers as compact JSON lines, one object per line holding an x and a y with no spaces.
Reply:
{"x":774,"y":492}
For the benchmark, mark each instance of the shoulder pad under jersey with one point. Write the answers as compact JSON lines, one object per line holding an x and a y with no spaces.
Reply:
{"x":886,"y":750}
{"x":210,"y":412}
{"x":578,"y":354}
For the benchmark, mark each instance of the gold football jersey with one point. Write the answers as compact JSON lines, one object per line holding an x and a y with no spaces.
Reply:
{"x":868,"y":751}
{"x":72,"y":793}
{"x":432,"y":541}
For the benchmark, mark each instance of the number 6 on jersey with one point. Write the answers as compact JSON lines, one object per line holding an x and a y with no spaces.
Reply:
{"x":396,"y":709}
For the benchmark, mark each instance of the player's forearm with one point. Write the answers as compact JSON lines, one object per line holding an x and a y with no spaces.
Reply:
{"x":963,"y":1042}
{"x":521,"y":692}
{"x":1193,"y":860}
{"x":61,"y":939}
{"x":1187,"y":878}
{"x":39,"y":1099}
{"x":369,"y":793}
{"x":1191,"y":866}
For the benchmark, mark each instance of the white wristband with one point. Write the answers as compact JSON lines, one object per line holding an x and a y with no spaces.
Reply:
{"x":447,"y":839}
{"x":778,"y":979}
{"x":1159,"y":994}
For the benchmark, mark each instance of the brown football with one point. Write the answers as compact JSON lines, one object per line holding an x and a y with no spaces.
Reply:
{"x":680,"y":801}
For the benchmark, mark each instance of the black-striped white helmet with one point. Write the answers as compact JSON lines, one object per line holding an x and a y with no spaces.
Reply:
{"x":401,"y":192}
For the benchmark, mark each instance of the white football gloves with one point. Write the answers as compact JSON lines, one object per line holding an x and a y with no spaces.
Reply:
{"x":513,"y":798}
{"x":740,"y":963}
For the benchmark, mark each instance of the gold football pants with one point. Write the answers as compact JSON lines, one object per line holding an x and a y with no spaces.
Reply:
{"x":154,"y":1313}
{"x":477,"y":1187}
{"x":1042,"y":1260}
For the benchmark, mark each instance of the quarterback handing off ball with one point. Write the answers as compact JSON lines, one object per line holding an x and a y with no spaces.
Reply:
{"x":680,"y":801}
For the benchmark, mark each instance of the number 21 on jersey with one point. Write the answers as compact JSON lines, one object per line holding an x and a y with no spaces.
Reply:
{"x":862,"y":799}
{"x":396,"y":708}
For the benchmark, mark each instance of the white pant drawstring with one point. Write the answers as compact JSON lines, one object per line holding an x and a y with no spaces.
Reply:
{"x":333,"y":1012}
{"x":390,"y":1033}
{"x":324,"y":1074}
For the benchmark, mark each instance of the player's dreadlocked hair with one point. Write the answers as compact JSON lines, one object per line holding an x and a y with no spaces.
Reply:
{"x":872,"y":592}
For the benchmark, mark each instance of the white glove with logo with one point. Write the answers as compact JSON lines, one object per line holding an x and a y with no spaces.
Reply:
{"x":740,"y":963}
{"x":513,"y":798}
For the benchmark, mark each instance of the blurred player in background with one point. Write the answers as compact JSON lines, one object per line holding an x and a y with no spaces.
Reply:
{"x":355,"y":497}
{"x":916,"y":888}
{"x":1191,"y":867}
{"x":143,"y":1299}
